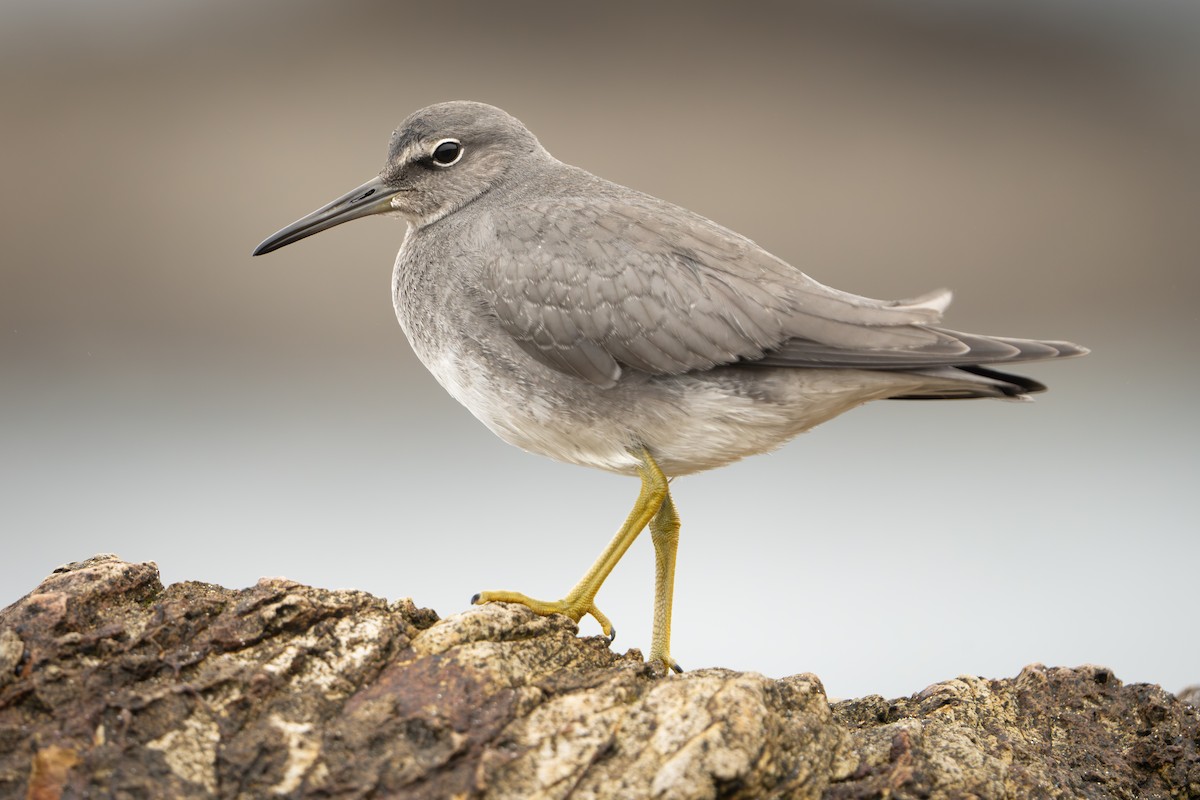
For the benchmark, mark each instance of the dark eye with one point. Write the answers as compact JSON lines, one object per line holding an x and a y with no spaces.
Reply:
{"x":447,"y":152}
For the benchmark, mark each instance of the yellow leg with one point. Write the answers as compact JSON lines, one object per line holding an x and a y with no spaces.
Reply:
{"x":581,"y":599}
{"x":664,"y":532}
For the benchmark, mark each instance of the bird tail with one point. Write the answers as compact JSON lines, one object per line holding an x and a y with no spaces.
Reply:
{"x":972,"y":381}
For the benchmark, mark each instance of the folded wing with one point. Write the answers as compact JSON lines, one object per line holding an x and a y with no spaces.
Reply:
{"x":592,"y":286}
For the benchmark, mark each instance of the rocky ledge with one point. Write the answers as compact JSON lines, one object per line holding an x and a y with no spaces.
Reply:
{"x":113,"y":686}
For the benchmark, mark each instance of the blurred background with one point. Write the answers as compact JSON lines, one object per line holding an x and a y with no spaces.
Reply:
{"x":165,"y":397}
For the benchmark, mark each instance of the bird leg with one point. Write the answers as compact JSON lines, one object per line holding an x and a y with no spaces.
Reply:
{"x":664,"y":532}
{"x":581,"y":599}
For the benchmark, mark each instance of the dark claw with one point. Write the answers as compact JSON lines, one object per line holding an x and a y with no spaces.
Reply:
{"x":475,"y":599}
{"x":675,"y":666}
{"x":612,"y":636}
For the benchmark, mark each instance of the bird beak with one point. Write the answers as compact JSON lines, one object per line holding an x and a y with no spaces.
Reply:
{"x":373,"y":197}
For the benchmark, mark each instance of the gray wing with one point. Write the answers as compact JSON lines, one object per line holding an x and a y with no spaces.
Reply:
{"x":592,"y":285}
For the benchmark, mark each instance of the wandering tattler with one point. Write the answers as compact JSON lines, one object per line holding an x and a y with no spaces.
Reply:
{"x":594,"y":324}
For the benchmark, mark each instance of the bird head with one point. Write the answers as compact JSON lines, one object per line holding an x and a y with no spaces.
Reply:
{"x":439,"y":159}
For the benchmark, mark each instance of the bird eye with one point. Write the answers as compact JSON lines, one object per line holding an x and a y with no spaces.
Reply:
{"x":447,"y":152}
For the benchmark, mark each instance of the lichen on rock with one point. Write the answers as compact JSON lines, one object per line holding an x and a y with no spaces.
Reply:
{"x":112,"y":685}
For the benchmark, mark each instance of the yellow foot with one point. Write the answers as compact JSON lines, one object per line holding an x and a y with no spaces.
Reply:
{"x":667,"y":662}
{"x":575,"y":608}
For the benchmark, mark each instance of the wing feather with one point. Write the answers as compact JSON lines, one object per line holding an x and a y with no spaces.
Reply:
{"x":592,"y":285}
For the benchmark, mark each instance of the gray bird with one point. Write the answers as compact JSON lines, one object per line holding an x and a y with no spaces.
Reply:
{"x":594,"y":324}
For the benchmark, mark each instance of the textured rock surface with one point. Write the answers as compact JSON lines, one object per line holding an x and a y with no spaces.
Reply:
{"x":112,"y":686}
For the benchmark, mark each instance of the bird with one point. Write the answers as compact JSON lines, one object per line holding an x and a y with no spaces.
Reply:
{"x":597,"y":325}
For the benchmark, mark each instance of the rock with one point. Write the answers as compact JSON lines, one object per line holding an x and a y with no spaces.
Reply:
{"x":112,"y":686}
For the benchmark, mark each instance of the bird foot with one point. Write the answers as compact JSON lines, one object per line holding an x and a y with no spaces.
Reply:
{"x":573,"y":607}
{"x":667,"y":662}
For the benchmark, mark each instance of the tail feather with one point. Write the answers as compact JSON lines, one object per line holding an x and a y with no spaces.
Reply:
{"x":953,"y":348}
{"x":973,"y":381}
{"x":950,"y":361}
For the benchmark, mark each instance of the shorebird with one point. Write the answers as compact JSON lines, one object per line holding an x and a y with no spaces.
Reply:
{"x":597,"y":325}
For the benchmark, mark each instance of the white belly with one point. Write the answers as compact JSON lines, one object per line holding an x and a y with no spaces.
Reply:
{"x":533,"y":421}
{"x":689,"y":423}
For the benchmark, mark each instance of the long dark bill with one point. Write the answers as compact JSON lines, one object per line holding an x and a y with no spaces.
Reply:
{"x":373,"y":197}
